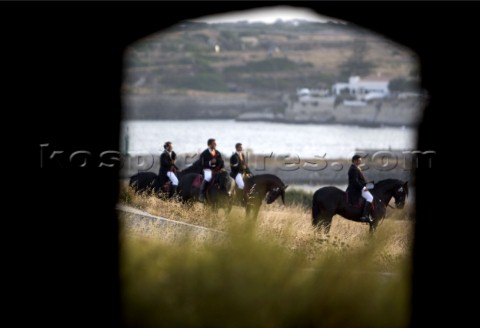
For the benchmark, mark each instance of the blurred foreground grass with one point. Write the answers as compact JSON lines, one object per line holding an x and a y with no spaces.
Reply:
{"x":275,"y":272}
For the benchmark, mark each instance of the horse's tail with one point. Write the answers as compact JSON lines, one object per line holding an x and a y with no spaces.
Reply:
{"x":143,"y":181}
{"x":134,"y":182}
{"x":282,"y":194}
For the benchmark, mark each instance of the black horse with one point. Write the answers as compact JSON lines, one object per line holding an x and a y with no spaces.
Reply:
{"x":150,"y":183}
{"x":260,"y":187}
{"x":219,"y":194}
{"x":328,"y":201}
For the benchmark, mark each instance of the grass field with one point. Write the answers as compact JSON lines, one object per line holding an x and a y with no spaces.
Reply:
{"x":275,"y":272}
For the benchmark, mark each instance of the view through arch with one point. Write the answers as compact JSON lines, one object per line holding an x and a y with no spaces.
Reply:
{"x":303,"y":94}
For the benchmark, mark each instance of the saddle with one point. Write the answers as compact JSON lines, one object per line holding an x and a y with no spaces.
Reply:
{"x":197,"y":182}
{"x":164,"y":184}
{"x":360,"y":203}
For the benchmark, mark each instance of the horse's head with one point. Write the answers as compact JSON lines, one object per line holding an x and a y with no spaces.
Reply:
{"x":273,"y":194}
{"x":400,"y":194}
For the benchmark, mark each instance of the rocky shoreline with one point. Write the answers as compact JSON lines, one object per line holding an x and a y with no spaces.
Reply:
{"x":242,"y":107}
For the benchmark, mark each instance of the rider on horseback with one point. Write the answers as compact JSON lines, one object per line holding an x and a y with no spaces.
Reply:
{"x":168,"y":167}
{"x":211,"y":159}
{"x":239,"y":169}
{"x":357,"y":185}
{"x":238,"y":166}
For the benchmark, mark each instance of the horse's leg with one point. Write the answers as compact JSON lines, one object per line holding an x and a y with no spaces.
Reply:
{"x":228,"y":209}
{"x":373,"y":226}
{"x":238,"y":197}
{"x":222,"y":204}
{"x":315,"y":215}
{"x":256,"y":209}
{"x":248,"y":210}
{"x":323,"y":225}
{"x":252,"y":211}
{"x":325,"y":222}
{"x":188,"y":203}
{"x":211,"y":211}
{"x":227,"y":204}
{"x":321,"y":218}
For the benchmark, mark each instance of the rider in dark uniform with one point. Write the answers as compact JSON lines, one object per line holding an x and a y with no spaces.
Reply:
{"x":357,"y":187}
{"x":168,"y":167}
{"x":211,"y":160}
{"x":238,"y":166}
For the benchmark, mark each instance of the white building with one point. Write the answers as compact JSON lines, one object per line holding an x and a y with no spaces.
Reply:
{"x":311,"y":95}
{"x":365,"y":89}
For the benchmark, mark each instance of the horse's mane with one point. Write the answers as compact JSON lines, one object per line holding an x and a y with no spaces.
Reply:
{"x":268,"y":176}
{"x":386,"y":183}
{"x":196,"y":167}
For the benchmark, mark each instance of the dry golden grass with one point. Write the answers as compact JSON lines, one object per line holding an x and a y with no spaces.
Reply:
{"x":290,"y":227}
{"x":274,"y":272}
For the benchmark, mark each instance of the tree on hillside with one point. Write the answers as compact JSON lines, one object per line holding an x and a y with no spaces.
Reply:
{"x":356,"y":65}
{"x":229,"y":40}
{"x":403,"y":85}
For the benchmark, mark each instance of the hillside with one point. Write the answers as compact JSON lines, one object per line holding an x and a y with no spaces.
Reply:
{"x":250,"y":66}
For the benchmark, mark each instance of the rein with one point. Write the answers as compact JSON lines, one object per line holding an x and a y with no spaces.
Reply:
{"x":383,"y":217}
{"x":388,"y":205}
